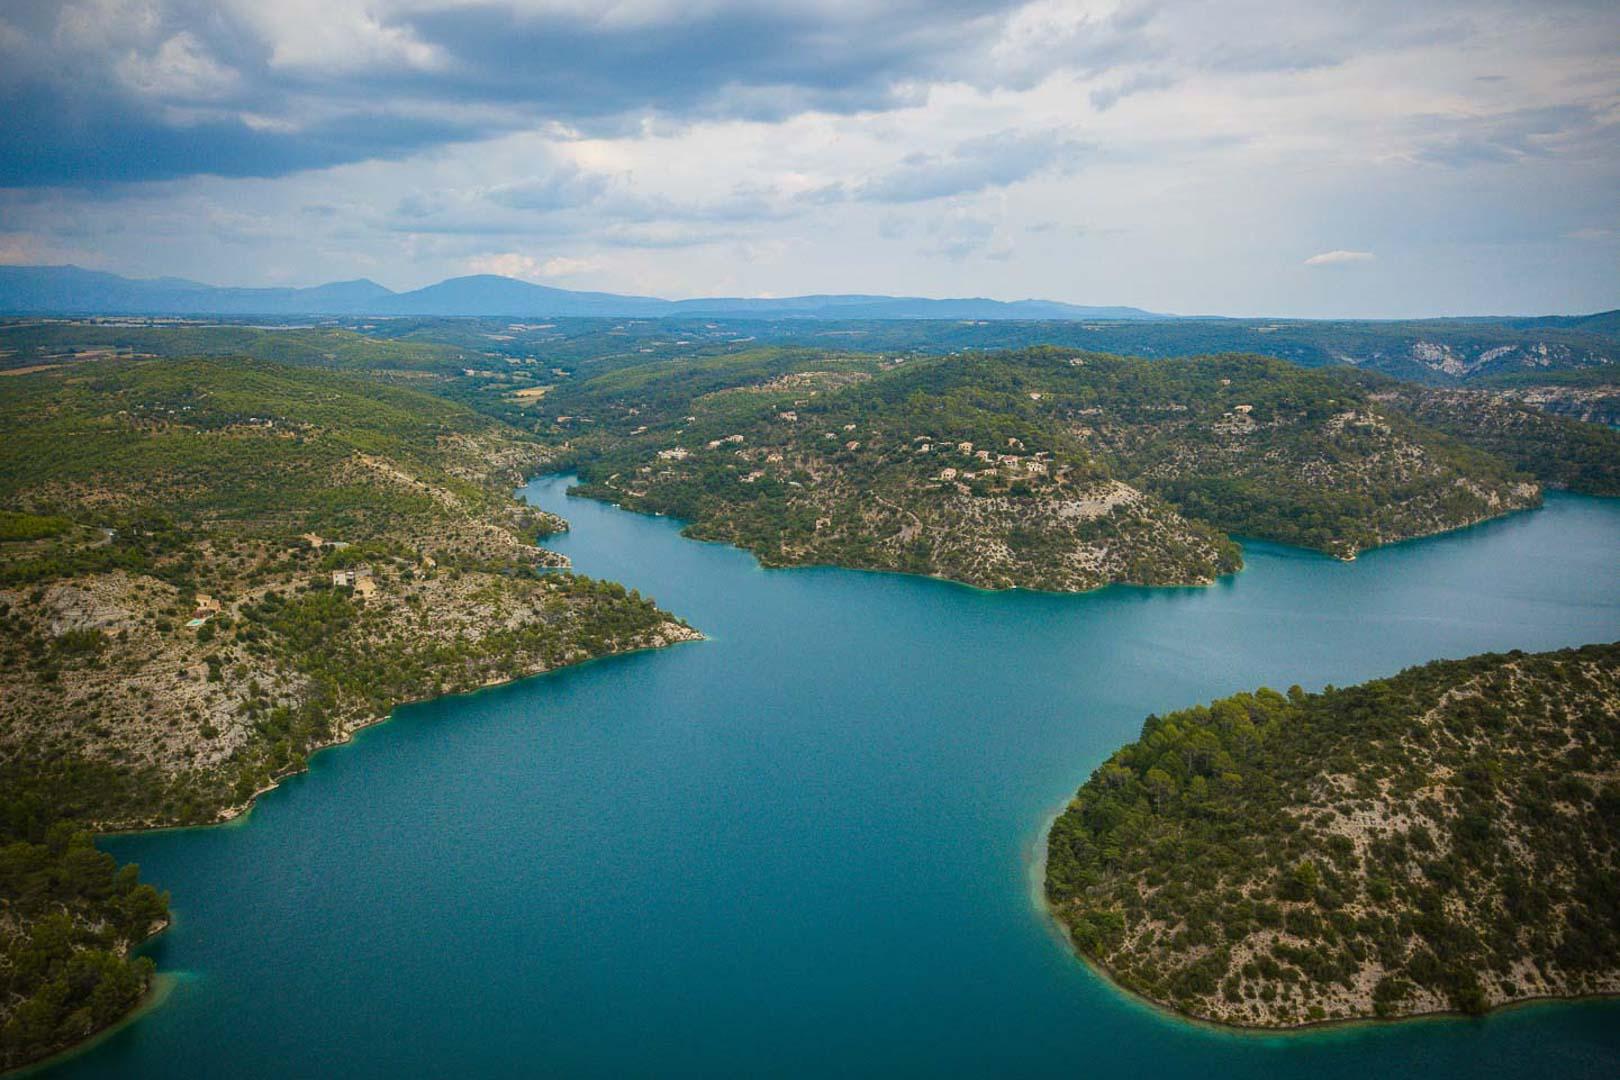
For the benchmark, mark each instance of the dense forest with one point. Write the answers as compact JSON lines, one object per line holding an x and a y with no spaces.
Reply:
{"x":70,"y":918}
{"x":1444,"y":840}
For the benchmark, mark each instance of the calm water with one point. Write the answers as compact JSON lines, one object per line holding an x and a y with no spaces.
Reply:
{"x":802,"y":847}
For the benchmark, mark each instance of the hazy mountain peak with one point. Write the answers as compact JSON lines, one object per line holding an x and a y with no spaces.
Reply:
{"x":39,"y":290}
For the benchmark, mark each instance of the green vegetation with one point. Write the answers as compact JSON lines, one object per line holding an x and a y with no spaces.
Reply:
{"x":1078,"y":468}
{"x":1441,"y":352}
{"x":1447,"y":839}
{"x":212,"y":565}
{"x":211,"y":568}
{"x":1558,"y":451}
{"x":238,"y":440}
{"x":467,"y":361}
{"x":71,"y":915}
{"x":926,"y":467}
{"x":1601,"y":376}
{"x":28,"y":343}
{"x":15,"y":526}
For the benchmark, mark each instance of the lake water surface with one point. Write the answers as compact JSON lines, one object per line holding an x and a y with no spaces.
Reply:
{"x":802,"y":847}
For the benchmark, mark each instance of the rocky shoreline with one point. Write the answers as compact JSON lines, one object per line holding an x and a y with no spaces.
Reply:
{"x":667,"y":634}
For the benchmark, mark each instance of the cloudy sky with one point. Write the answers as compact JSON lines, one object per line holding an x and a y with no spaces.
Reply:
{"x":1361,"y":157}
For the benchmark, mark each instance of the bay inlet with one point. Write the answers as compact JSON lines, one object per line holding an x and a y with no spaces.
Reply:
{"x":800,"y":847}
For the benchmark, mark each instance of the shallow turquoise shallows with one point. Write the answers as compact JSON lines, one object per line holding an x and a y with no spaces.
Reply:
{"x":803,"y":847}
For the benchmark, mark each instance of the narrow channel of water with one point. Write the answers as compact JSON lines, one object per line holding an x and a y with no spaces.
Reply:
{"x":800,"y":847}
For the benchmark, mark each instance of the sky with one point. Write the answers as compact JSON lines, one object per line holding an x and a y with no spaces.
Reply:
{"x":1357,"y":158}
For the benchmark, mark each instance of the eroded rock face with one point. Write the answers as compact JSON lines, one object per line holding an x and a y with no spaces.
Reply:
{"x":1593,"y":405}
{"x":1461,"y":361}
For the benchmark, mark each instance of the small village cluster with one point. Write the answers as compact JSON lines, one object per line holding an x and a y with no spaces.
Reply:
{"x":1012,"y":466}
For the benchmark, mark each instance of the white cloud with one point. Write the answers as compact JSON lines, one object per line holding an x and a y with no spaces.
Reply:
{"x":23,"y":249}
{"x":106,"y":24}
{"x":180,"y":68}
{"x":1270,"y":128}
{"x":335,"y":35}
{"x":1341,"y":258}
{"x":517,"y":265}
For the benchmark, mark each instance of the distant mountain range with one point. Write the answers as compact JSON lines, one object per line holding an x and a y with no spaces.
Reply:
{"x":70,"y":290}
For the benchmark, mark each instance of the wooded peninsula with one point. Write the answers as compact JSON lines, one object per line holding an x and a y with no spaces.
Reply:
{"x":1446,"y":840}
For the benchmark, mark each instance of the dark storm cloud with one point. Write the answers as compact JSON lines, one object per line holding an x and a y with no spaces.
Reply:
{"x":43,"y":145}
{"x":768,"y":60}
{"x":108,"y":91}
{"x":127,"y":90}
{"x":99,"y":91}
{"x":893,"y":145}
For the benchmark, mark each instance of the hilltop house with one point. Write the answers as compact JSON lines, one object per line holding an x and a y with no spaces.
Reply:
{"x":357,"y":578}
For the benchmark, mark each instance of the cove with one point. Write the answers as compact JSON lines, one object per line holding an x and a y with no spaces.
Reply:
{"x":802,"y":847}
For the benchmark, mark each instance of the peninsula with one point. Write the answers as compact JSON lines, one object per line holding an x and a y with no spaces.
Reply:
{"x":1056,"y":469}
{"x":1446,"y":840}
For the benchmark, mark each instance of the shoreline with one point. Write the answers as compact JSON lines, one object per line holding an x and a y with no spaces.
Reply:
{"x":239,"y":812}
{"x":1491,"y":519}
{"x":685,"y":523}
{"x":1240,"y":539}
{"x":1036,"y":854}
{"x":163,"y":984}
{"x":1037,"y":876}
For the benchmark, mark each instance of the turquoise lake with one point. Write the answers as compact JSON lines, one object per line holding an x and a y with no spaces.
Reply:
{"x":803,"y":846}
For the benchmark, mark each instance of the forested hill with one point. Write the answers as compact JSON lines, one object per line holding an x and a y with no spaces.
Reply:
{"x":1441,"y":352}
{"x":1049,"y":468}
{"x":169,"y":534}
{"x":209,"y":568}
{"x":1444,"y":840}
